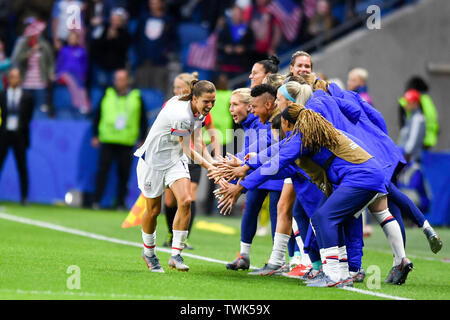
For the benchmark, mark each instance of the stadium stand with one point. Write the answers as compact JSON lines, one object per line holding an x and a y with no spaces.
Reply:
{"x":65,"y":138}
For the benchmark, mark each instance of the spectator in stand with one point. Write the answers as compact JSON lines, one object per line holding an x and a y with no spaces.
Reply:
{"x":97,"y":15}
{"x":16,"y":108}
{"x":322,"y":21}
{"x":5,"y":13}
{"x":413,"y":132}
{"x":71,"y":70}
{"x":5,"y":63}
{"x":235,"y":44}
{"x":410,"y":141}
{"x":109,"y":48}
{"x":204,"y":12}
{"x":119,"y":123}
{"x":266,"y":29}
{"x":34,"y":58}
{"x":428,"y":109}
{"x":155,"y":38}
{"x":66,"y":16}
{"x":357,"y":81}
{"x":27,"y":10}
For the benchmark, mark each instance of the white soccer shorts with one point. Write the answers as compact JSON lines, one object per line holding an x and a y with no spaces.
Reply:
{"x":153,"y":182}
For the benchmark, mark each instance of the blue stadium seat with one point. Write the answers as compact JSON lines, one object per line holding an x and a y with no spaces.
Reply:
{"x":95,"y":94}
{"x":153,"y":99}
{"x":61,"y":97}
{"x":338,"y":11}
{"x":62,"y":103}
{"x":191,"y":32}
{"x":361,"y":6}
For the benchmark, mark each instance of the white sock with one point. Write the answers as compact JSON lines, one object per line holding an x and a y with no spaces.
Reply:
{"x":330,"y":262}
{"x":426,"y":224}
{"x":322,"y":258}
{"x":178,"y":241}
{"x":306,"y":261}
{"x":343,"y":262}
{"x":245,"y":248}
{"x":280,"y":242}
{"x":393,"y":233}
{"x":149,"y":240}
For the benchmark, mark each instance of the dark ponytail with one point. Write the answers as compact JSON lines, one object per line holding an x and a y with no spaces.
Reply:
{"x":270,"y":64}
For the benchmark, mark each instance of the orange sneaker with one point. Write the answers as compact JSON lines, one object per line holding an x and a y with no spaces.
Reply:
{"x":299,"y":271}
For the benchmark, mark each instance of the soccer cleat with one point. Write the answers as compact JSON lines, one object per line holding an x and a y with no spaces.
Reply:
{"x":358,"y":276}
{"x":316,"y":276}
{"x":348,"y":282}
{"x":401,"y":271}
{"x":177,"y":262}
{"x":299,"y":271}
{"x":241,"y":262}
{"x":325,"y":282}
{"x":269,"y":270}
{"x":433,"y":239}
{"x":311,"y":274}
{"x":152,"y":263}
{"x":390,"y":276}
{"x":295,"y":261}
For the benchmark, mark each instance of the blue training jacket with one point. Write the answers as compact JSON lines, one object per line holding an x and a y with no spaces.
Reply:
{"x":378,"y":141}
{"x":367,"y":175}
{"x":258,"y":137}
{"x":372,"y":114}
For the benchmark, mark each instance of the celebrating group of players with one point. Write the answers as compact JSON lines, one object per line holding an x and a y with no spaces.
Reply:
{"x":322,"y":154}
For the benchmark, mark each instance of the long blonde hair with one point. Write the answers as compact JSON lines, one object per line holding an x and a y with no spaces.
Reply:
{"x":300,"y":92}
{"x":317,"y":132}
{"x":315,"y":83}
{"x":275,"y":79}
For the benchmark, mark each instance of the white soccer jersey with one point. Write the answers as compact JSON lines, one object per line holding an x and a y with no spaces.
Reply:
{"x":162,"y":149}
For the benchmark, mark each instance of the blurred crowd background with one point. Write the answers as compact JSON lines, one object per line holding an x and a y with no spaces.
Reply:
{"x":66,"y":54}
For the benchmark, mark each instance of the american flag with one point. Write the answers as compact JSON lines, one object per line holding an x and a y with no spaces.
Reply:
{"x":34,"y":28}
{"x":203,"y":55}
{"x":289,"y":14}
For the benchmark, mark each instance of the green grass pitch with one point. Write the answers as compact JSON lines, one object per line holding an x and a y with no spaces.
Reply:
{"x":35,"y":262}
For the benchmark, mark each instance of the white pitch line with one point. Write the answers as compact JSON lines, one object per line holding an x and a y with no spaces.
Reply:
{"x":377,"y":294}
{"x":90,"y":294}
{"x":95,"y":236}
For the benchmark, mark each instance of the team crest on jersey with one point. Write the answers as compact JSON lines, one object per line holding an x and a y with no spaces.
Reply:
{"x":353,"y":145}
{"x":148,"y":186}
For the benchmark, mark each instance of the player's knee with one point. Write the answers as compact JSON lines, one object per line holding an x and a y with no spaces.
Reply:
{"x":282,"y":209}
{"x":154,"y":211}
{"x":185,"y":202}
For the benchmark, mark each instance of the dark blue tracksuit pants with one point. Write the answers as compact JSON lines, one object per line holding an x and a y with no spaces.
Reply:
{"x":253,"y":204}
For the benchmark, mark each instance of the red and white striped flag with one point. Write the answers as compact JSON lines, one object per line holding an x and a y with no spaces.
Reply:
{"x":289,"y":14}
{"x":203,"y":55}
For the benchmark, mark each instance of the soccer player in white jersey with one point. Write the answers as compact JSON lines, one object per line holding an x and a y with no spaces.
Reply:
{"x":163,"y":162}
